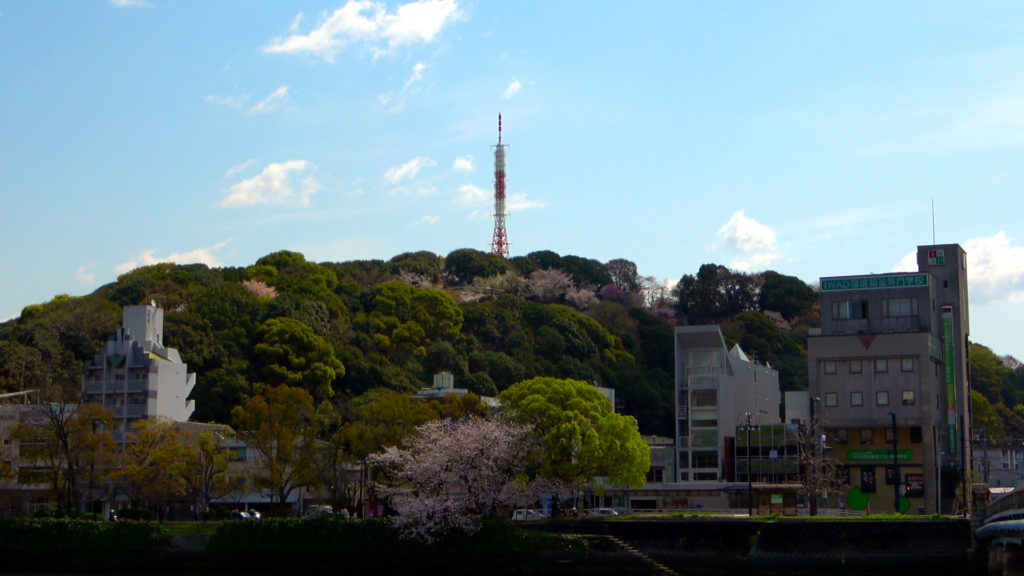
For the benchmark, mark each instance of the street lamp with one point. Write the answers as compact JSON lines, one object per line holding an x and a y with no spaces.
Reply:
{"x":895,"y":466}
{"x":750,"y":483}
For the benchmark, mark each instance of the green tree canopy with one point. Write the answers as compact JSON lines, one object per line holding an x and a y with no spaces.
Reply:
{"x":462,"y":266}
{"x":983,"y":417}
{"x":291,"y":353}
{"x":582,"y":437}
{"x":714,"y":293}
{"x":787,"y":295}
{"x":280,"y":425}
{"x":988,"y":374}
{"x":381,"y":418}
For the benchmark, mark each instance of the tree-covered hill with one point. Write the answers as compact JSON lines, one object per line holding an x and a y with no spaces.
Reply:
{"x":339,"y":329}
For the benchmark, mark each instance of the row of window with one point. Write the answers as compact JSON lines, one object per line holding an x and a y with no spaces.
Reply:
{"x":867,"y":435}
{"x":701,"y":459}
{"x":891,"y":308}
{"x":881,"y":365}
{"x":907,"y":397}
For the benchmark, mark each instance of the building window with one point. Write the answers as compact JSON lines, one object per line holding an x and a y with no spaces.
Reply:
{"x":843,"y":475}
{"x":856,"y":366}
{"x":849,"y":310}
{"x":867,"y":436}
{"x":915,"y":434}
{"x":882,"y":398}
{"x":908,"y":398}
{"x":881,"y":365}
{"x":684,"y":460}
{"x":867,"y":479}
{"x":831,"y":399}
{"x":888,"y":434}
{"x":856,"y":398}
{"x":842,"y":436}
{"x":656,"y":475}
{"x":705,"y":459}
{"x":704,"y":423}
{"x":899,"y":307}
{"x":705,"y":398}
{"x":830,"y":366}
{"x":906,"y":364}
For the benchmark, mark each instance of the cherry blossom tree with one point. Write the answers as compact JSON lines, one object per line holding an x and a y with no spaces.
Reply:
{"x":548,"y":285}
{"x":450,"y":474}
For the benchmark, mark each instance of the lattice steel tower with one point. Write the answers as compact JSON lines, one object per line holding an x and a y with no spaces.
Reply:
{"x":499,"y":243}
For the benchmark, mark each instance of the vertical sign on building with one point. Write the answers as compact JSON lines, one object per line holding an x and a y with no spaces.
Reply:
{"x":936,"y":257}
{"x":947,"y":362}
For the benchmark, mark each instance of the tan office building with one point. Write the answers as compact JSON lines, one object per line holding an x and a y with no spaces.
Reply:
{"x":894,"y":347}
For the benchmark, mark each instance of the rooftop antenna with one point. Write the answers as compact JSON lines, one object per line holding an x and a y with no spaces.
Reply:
{"x":933,"y":221}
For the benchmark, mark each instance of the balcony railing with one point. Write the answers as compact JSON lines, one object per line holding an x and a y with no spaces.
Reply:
{"x":115,"y":386}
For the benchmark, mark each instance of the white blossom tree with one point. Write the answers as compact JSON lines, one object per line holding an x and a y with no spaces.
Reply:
{"x":547,"y":285}
{"x":450,"y":474}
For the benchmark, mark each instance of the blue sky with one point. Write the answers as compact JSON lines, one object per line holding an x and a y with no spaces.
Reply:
{"x":809,"y":138}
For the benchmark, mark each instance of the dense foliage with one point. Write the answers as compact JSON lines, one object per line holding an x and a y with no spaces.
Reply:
{"x":341,"y":329}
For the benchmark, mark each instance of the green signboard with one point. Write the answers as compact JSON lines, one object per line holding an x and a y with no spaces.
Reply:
{"x":874,"y":282}
{"x":947,"y":360}
{"x":881,"y":455}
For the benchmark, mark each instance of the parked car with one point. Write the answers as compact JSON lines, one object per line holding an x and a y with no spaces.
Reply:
{"x":527,"y":515}
{"x":318,"y":510}
{"x":594,"y":512}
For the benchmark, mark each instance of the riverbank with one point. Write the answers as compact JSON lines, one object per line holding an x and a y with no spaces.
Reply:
{"x":600,"y":546}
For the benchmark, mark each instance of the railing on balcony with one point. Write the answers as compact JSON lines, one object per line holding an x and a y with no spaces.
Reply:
{"x":903,"y":324}
{"x":115,"y":386}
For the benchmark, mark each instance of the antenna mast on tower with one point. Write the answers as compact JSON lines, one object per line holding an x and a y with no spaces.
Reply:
{"x":499,"y":243}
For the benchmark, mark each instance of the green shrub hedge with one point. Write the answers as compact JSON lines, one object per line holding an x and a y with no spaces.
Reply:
{"x":48,"y":535}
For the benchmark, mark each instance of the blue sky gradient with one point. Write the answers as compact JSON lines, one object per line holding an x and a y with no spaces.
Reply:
{"x":804,"y":137}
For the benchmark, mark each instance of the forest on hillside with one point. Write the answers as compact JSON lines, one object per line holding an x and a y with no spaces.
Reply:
{"x":341,"y":329}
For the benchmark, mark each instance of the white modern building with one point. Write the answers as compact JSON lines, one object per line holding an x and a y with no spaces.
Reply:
{"x":717,"y":391}
{"x":137,"y":376}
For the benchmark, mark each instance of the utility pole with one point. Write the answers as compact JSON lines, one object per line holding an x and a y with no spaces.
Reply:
{"x":895,"y":466}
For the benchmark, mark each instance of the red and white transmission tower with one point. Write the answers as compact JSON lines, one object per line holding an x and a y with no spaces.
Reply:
{"x":499,"y":244}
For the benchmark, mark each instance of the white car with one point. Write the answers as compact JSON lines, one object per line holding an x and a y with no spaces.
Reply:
{"x":526,"y":515}
{"x":602,"y":512}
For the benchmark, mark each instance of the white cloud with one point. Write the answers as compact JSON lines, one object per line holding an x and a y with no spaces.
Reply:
{"x":464,"y":164}
{"x":84,"y":276}
{"x":239,"y":168}
{"x":470,"y":194}
{"x":227,"y":101}
{"x":417,"y":75}
{"x":421,"y":190}
{"x":754,"y":242}
{"x":294,"y":27}
{"x":995,"y":269}
{"x":512,"y":89}
{"x":518,"y":203}
{"x":393,"y":101}
{"x":278,"y":183}
{"x":129,"y":3}
{"x":274,"y":101}
{"x":907,"y":264}
{"x":370,"y":23}
{"x":428,"y":219}
{"x":197,"y":256}
{"x":409,"y":170}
